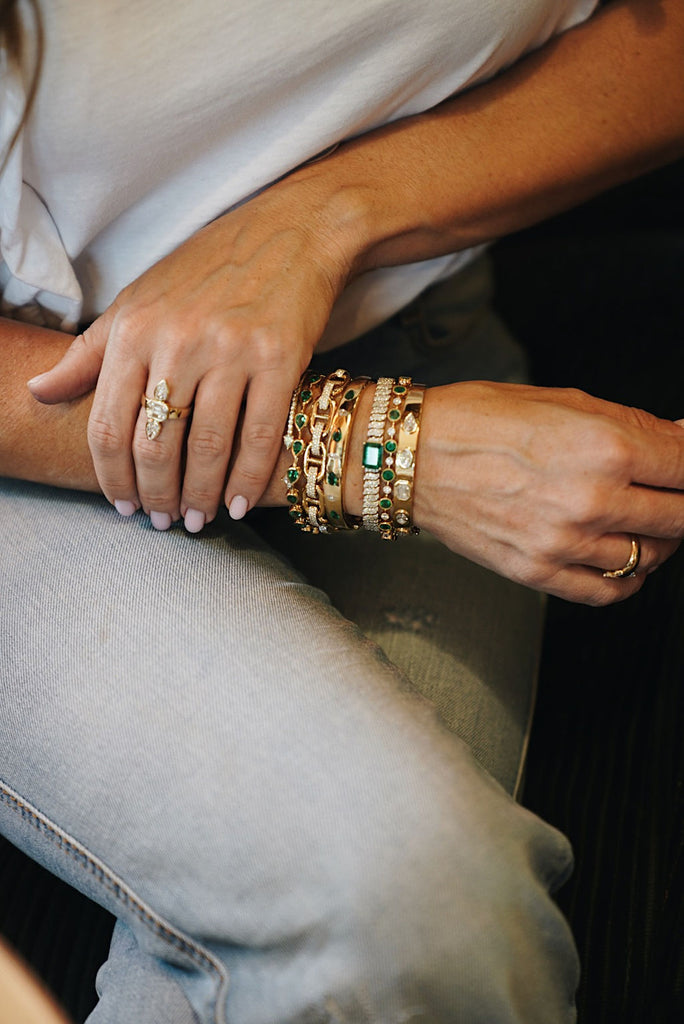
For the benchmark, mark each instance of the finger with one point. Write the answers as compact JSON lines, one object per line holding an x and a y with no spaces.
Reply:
{"x":659,"y":460}
{"x":113,"y":417}
{"x":646,"y":511}
{"x":157,"y":447}
{"x":649,"y":449}
{"x":268,"y":402}
{"x":587,"y":586}
{"x":209,"y":443}
{"x":614,"y":551}
{"x":77,"y":371}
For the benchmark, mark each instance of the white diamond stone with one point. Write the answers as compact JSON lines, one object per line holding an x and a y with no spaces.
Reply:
{"x":402,"y":490}
{"x":161,"y":391}
{"x":405,"y":458}
{"x":156,"y":410}
{"x":152,"y":428}
{"x":287,"y":441}
{"x":410,"y":424}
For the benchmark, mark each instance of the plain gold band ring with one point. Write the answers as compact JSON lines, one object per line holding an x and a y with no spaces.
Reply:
{"x":631,"y":566}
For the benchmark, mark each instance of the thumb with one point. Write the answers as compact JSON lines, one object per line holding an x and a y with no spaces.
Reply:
{"x":77,"y":371}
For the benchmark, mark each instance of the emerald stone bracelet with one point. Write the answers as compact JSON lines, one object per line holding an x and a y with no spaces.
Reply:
{"x":318,"y":431}
{"x":372,"y":454}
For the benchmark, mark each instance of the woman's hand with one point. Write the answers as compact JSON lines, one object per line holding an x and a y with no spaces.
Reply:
{"x":230,"y":317}
{"x":545,"y":486}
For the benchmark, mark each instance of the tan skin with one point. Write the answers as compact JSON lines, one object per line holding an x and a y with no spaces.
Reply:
{"x":236,"y":312}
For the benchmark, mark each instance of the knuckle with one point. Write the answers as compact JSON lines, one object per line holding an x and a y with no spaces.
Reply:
{"x":613,"y":450}
{"x":204,"y":498}
{"x":104,"y":437}
{"x":130,"y":321}
{"x":537,"y":575}
{"x":158,"y":501}
{"x":152,"y":454}
{"x":269,"y":348}
{"x":261,"y":437}
{"x":587,"y":504}
{"x":205,"y":443}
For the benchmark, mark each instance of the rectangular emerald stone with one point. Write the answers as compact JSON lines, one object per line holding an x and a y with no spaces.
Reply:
{"x":372,"y":455}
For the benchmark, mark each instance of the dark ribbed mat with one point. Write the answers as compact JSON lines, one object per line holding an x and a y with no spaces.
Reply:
{"x":606,"y":765}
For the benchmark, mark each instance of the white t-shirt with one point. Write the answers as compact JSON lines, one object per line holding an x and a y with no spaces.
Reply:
{"x":153,"y":118}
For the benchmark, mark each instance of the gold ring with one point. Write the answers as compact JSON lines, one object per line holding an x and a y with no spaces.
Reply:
{"x":630,"y":567}
{"x":157,"y":410}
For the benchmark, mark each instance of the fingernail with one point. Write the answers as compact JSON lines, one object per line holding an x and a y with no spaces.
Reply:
{"x":238,"y":507}
{"x":36,"y":380}
{"x":125,"y":508}
{"x":160,"y":520}
{"x":194,"y":520}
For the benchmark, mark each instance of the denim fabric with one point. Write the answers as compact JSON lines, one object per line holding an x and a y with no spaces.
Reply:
{"x":268,"y":790}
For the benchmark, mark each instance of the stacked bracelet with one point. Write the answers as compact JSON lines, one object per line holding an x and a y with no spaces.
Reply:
{"x":338,"y":447}
{"x":372,"y":454}
{"x":318,"y":432}
{"x":405,"y":462}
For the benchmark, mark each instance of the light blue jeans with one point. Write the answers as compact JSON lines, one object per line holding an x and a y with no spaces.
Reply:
{"x":285,"y":774}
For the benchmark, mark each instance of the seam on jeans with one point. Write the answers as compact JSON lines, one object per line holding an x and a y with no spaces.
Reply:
{"x":518,"y":787}
{"x":122,"y":893}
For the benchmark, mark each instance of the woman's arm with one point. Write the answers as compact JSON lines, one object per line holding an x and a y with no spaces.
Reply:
{"x":503,"y":474}
{"x":594,"y":107}
{"x":237,"y":310}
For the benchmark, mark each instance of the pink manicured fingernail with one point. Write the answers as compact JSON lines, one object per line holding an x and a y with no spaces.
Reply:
{"x":160,"y":520}
{"x":238,"y":507}
{"x":125,"y":508}
{"x":194,"y":520}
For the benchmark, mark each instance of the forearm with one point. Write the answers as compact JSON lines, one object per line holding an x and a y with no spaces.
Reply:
{"x":46,"y":444}
{"x":598,"y":105}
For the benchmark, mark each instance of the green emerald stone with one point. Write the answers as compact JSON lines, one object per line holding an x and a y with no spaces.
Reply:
{"x":300,"y":419}
{"x":305,"y":396}
{"x":399,"y":389}
{"x":292,"y":475}
{"x":334,"y":514}
{"x":394,"y":414}
{"x":314,"y":378}
{"x":385,"y":503}
{"x":297,"y":447}
{"x":372,"y":455}
{"x":391,"y":446}
{"x":333,"y":480}
{"x":294,"y":512}
{"x":388,"y":474}
{"x":292,"y":498}
{"x":349,"y":395}
{"x":337,"y":436}
{"x":385,"y":527}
